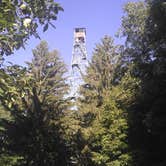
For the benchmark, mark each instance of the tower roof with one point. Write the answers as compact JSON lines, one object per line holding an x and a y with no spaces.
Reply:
{"x":80,"y":30}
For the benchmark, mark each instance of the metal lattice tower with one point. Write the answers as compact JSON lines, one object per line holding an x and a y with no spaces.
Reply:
{"x":79,"y":61}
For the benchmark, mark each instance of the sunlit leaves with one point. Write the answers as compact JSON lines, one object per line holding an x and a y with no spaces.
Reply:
{"x":20,"y":19}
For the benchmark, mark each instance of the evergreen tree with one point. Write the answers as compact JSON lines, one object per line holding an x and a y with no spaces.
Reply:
{"x":104,"y":124}
{"x":48,"y":70}
{"x":34,"y":97}
{"x":100,"y":70}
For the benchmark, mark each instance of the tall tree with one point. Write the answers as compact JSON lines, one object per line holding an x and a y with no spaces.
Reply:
{"x":48,"y":70}
{"x":100,"y":70}
{"x":143,"y":25}
{"x":103,"y":123}
{"x":34,"y":97}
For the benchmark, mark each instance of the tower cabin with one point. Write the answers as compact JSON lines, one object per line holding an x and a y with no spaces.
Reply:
{"x":79,"y":47}
{"x":79,"y":35}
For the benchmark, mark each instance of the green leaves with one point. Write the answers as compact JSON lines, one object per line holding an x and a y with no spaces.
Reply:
{"x":34,"y":98}
{"x":20,"y":19}
{"x":143,"y":26}
{"x":45,"y":27}
{"x":49,"y":70}
{"x":103,"y":119}
{"x":7,"y":160}
{"x":110,"y":134}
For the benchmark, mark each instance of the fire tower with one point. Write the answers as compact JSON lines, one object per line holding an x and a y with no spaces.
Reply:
{"x":79,"y":61}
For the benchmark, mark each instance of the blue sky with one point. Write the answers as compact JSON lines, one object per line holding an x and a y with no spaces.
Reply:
{"x":99,"y":17}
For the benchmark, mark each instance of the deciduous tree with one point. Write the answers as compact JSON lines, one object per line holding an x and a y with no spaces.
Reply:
{"x":20,"y":19}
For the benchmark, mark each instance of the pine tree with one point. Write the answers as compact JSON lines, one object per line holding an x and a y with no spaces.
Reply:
{"x":100,"y":70}
{"x":103,"y":123}
{"x":34,"y":97}
{"x":48,"y":70}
